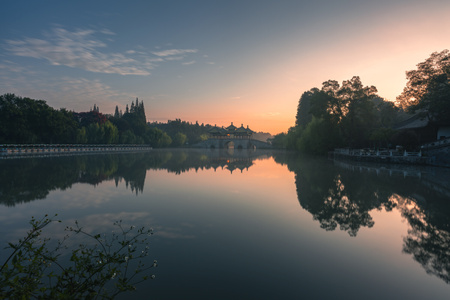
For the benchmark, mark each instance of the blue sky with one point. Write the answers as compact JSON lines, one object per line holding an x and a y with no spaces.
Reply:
{"x":214,"y":62}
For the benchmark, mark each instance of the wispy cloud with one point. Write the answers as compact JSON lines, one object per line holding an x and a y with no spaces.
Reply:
{"x":270,"y":114}
{"x":174,"y":52}
{"x":78,"y":49}
{"x":107,"y":31}
{"x":7,"y":67}
{"x":188,"y":63}
{"x":87,"y":49}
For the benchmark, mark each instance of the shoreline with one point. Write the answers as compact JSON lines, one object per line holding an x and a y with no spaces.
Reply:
{"x":41,"y":150}
{"x":435,"y":154}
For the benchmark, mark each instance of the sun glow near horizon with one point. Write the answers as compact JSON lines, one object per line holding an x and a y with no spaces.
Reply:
{"x":244,"y":65}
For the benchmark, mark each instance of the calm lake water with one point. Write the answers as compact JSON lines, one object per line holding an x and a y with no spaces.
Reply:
{"x":251,"y":225}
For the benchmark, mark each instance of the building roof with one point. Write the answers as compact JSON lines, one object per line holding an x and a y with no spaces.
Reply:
{"x":231,"y":130}
{"x":231,"y":127}
{"x":417,"y":121}
{"x":243,"y":130}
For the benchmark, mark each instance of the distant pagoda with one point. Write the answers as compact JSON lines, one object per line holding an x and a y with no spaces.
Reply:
{"x":230,"y":132}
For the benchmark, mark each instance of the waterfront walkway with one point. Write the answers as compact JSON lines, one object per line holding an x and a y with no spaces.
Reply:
{"x":382,"y":156}
{"x":435,"y":154}
{"x":20,"y":150}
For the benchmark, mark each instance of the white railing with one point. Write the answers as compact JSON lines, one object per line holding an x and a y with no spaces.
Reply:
{"x":379,"y":152}
{"x":58,"y":148}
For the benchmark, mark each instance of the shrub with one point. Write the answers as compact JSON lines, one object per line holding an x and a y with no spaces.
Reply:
{"x":102,"y":268}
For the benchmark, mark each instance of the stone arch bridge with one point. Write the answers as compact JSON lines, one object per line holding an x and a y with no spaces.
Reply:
{"x":236,"y":143}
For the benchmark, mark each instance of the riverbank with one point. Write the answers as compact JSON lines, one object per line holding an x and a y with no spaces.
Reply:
{"x":387,"y":156}
{"x":432,"y":154}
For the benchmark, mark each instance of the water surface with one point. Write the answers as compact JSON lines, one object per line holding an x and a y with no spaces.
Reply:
{"x":251,"y":225}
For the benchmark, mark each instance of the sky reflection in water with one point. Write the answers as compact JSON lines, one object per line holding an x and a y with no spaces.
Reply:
{"x":229,"y":225}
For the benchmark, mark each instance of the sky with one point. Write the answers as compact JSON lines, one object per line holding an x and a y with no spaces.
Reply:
{"x":215,"y":62}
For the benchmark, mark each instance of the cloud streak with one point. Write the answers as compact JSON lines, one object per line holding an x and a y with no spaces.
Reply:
{"x":83,"y":50}
{"x":174,"y":52}
{"x":76,"y":49}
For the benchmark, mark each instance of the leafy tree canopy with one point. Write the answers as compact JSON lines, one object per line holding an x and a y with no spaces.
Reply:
{"x":428,"y":88}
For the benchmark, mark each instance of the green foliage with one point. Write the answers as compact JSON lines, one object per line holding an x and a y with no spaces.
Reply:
{"x":24,"y":120}
{"x":110,"y":133}
{"x":179,"y":139}
{"x":292,"y":137}
{"x":81,"y":136}
{"x":158,"y":138}
{"x":105,"y":133}
{"x":110,"y":266}
{"x":279,"y":141}
{"x":28,"y":121}
{"x":318,"y":137}
{"x":428,"y":87}
{"x":349,"y":114}
{"x":194,"y":133}
{"x":133,"y":128}
{"x":303,"y":116}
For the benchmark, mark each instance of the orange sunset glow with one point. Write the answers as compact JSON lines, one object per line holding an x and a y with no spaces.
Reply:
{"x":243,"y":62}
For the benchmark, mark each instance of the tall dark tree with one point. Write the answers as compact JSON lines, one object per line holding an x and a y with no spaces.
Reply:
{"x":303,"y":116}
{"x":334,"y":115}
{"x":360,"y":118}
{"x":116,"y":112}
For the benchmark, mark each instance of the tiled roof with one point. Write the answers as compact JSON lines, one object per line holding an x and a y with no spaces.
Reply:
{"x":417,"y":121}
{"x":231,"y":130}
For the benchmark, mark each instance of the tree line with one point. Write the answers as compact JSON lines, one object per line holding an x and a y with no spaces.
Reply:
{"x":183,"y":133}
{"x":353,"y":115}
{"x":28,"y":121}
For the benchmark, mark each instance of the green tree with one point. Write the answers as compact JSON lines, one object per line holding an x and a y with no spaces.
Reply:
{"x":111,"y":133}
{"x":94,"y":134}
{"x":127,"y":137}
{"x":280,"y":141}
{"x":318,"y":137}
{"x":359,"y":122}
{"x":179,"y":140}
{"x":292,"y":137}
{"x":428,"y":87}
{"x":25,"y":120}
{"x":334,"y":115}
{"x":303,"y":116}
{"x":136,"y":119}
{"x":81,"y":136}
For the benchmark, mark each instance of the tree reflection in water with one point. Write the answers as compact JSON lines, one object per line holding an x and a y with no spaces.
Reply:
{"x":335,"y":194}
{"x":427,"y":241}
{"x":28,"y":179}
{"x":338,"y":209}
{"x":344,"y":194}
{"x":337,"y":197}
